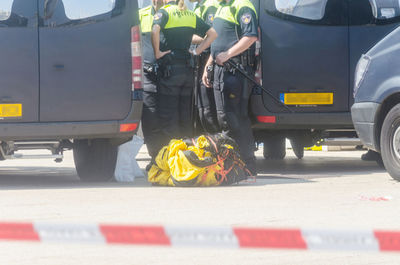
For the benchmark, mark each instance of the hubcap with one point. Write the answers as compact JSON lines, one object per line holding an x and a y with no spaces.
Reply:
{"x":396,"y":143}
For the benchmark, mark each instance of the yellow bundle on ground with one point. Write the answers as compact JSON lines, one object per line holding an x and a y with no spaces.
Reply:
{"x":193,"y":162}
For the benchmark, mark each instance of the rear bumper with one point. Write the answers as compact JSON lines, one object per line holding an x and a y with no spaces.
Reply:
{"x":321,"y":121}
{"x":364,"y":119}
{"x":71,"y":130}
{"x":298,"y":120}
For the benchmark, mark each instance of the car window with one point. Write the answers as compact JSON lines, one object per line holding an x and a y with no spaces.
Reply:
{"x":385,"y":9}
{"x":80,"y":9}
{"x":5,"y":9}
{"x":307,"y":9}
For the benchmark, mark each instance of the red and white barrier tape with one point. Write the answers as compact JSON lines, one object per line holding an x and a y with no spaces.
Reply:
{"x":224,"y":237}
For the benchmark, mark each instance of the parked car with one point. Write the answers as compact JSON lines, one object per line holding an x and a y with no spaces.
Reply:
{"x":71,"y":78}
{"x":376,"y":111}
{"x":309,"y":52}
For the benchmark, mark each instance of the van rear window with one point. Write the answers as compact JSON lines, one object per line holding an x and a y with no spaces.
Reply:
{"x":5,"y":9}
{"x":307,"y":9}
{"x":78,"y":9}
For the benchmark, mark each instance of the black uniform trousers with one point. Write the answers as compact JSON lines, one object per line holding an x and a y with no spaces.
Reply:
{"x":150,"y":123}
{"x":175,"y":103}
{"x":206,"y":102}
{"x":232,"y":91}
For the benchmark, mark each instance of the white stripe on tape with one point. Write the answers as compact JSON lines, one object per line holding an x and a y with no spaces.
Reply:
{"x":69,"y":233}
{"x":202,"y":237}
{"x":340,"y":240}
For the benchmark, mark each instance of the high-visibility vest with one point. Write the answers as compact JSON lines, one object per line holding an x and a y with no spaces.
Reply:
{"x":230,"y":11}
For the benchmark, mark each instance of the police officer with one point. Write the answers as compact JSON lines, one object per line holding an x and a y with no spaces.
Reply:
{"x":237,"y":28}
{"x":206,"y":10}
{"x":178,"y":26}
{"x":150,"y":124}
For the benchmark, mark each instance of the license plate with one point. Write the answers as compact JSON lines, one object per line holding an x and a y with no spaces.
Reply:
{"x":10,"y":110}
{"x":307,"y":98}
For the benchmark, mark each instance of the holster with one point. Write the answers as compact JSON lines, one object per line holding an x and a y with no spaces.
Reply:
{"x":165,"y":65}
{"x":210,"y":73}
{"x":152,"y":71}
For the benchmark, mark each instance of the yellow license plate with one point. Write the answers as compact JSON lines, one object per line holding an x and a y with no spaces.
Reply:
{"x":10,"y":110}
{"x":307,"y":98}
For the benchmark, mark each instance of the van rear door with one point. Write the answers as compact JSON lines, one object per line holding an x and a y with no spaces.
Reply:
{"x":19,"y":68}
{"x":305,"y":54}
{"x":85,"y":59}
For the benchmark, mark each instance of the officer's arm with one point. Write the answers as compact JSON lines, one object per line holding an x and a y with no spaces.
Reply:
{"x":243,"y":44}
{"x":197,"y":39}
{"x":247,"y":19}
{"x":204,"y":78}
{"x":159,"y":21}
{"x":155,"y":41}
{"x":211,"y":36}
{"x":204,"y":30}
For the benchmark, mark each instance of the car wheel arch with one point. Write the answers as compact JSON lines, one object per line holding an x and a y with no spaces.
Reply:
{"x":387,"y":104}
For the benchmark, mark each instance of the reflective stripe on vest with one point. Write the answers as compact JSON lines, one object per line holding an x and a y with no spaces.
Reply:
{"x":178,"y":18}
{"x":146,"y":19}
{"x":230,"y":12}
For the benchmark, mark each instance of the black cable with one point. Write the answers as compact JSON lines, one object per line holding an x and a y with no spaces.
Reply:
{"x":241,"y":71}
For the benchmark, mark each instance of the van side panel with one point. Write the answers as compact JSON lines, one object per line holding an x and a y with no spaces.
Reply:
{"x":85,"y":65}
{"x":19,"y":67}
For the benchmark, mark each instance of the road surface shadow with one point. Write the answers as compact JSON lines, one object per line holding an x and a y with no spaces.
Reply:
{"x":271,"y":172}
{"x":15,"y":178}
{"x":23,"y":178}
{"x":316,"y":167}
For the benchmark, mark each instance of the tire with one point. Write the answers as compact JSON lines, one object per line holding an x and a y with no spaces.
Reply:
{"x":390,"y":142}
{"x":95,"y":159}
{"x":275,"y":148}
{"x":298,"y":148}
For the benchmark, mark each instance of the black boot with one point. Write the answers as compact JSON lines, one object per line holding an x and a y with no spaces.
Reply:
{"x":370,"y":156}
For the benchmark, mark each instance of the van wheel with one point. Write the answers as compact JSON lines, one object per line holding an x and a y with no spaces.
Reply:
{"x":298,"y":148}
{"x":275,"y":148}
{"x":390,"y":142}
{"x":95,"y":159}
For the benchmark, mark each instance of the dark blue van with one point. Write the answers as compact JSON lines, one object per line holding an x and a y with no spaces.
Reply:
{"x":70,"y":77}
{"x":376,"y":111}
{"x":309,"y":52}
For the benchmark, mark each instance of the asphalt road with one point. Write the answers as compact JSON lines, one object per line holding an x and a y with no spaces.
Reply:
{"x":327,"y":190}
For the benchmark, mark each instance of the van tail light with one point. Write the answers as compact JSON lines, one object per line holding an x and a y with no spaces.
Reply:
{"x":137,"y":60}
{"x":266,"y":119}
{"x":128,"y":127}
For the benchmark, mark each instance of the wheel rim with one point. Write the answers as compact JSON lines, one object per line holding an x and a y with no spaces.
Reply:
{"x":396,"y":143}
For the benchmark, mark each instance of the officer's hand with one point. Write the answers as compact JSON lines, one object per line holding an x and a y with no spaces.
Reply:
{"x":161,"y":54}
{"x":205,"y":79}
{"x":222,"y":58}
